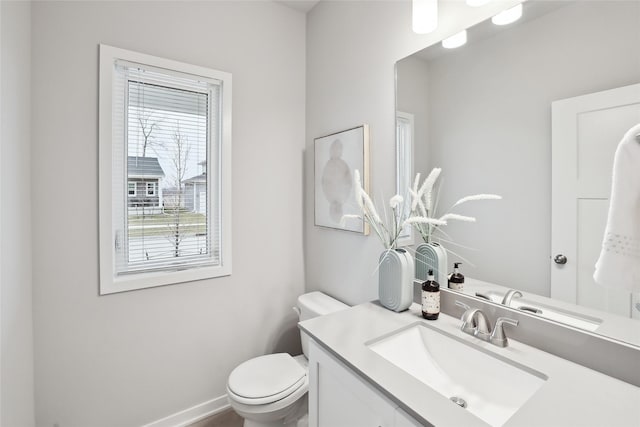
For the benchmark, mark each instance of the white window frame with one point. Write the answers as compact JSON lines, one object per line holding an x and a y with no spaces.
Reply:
{"x":135,"y":189}
{"x":404,"y":167}
{"x":110,"y":237}
{"x":154,"y":191}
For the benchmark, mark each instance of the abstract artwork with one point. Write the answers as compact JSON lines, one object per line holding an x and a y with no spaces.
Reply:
{"x":337,"y":157}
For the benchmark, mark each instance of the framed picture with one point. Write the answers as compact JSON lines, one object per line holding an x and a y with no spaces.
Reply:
{"x":337,"y":157}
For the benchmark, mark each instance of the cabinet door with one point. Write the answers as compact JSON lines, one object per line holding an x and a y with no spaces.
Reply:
{"x":405,"y":420}
{"x":339,"y":398}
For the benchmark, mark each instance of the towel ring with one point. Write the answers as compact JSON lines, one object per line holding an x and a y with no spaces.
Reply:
{"x":638,"y":137}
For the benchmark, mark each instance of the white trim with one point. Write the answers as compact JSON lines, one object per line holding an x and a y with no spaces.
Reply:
{"x":193,"y":414}
{"x":146,"y":176}
{"x":405,"y":239}
{"x":110,"y":235}
{"x":1,"y":145}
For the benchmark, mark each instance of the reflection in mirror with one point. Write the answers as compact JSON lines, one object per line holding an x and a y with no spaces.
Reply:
{"x":404,"y":167}
{"x":483,"y":113}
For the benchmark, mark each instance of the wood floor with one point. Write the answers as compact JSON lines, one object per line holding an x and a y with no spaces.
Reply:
{"x":227,"y":418}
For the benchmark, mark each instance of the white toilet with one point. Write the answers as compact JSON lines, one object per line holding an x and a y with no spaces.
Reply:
{"x":271,"y":390}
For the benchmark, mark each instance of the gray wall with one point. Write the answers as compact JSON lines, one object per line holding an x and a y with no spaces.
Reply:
{"x":16,"y":366}
{"x":351,"y":51}
{"x":132,"y":358}
{"x":490,"y":127}
{"x":412,"y":96}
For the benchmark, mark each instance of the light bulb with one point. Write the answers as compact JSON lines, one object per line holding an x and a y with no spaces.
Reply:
{"x":476,"y":3}
{"x":425,"y":16}
{"x":508,"y":16}
{"x":455,"y":40}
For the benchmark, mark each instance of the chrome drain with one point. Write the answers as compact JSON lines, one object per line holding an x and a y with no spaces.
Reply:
{"x":459,"y":401}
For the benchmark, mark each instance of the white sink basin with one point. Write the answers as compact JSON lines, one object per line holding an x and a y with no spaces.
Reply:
{"x":493,"y":388}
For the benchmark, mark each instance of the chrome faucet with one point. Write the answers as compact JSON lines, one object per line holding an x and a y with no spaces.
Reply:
{"x":468,"y":322}
{"x":511,"y":293}
{"x":483,"y":326}
{"x":476,"y":323}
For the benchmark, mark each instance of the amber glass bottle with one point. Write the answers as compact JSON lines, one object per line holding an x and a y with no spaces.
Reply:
{"x":456,"y":279}
{"x":430,"y":298}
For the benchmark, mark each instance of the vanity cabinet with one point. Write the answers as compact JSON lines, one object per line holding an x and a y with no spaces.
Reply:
{"x":338,"y":397}
{"x":402,"y":419}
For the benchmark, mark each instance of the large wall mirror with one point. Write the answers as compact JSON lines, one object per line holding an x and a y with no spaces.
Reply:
{"x":488,"y":114}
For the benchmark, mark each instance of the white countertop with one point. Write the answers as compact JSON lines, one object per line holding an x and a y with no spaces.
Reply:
{"x":571,"y":396}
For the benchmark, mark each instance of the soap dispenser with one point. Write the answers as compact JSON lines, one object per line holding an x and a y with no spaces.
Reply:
{"x":456,"y":279}
{"x":430,"y":298}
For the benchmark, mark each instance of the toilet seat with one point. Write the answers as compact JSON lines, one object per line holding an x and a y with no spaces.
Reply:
{"x":266,"y":379}
{"x":278,"y":410}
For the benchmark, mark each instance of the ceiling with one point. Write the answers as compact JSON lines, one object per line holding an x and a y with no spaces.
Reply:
{"x":303,"y":6}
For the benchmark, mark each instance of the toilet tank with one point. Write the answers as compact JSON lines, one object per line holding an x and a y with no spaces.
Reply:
{"x":312,"y":305}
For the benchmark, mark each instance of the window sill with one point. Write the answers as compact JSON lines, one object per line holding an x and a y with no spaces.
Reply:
{"x":126,"y":283}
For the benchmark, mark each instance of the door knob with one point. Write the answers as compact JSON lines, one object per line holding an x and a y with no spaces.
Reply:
{"x":560,"y":259}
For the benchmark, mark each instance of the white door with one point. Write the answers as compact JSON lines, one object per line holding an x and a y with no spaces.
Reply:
{"x":585,"y":133}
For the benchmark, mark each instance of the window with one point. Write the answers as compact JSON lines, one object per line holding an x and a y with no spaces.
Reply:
{"x":404,"y":167}
{"x":165,"y":139}
{"x":131,"y":188}
{"x":151,"y":188}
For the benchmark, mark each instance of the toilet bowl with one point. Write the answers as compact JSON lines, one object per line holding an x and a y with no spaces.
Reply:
{"x":271,"y":390}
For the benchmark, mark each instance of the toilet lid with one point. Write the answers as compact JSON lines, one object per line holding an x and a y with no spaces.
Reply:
{"x":267,"y":378}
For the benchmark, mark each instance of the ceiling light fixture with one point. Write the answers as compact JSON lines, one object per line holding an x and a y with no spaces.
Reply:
{"x":455,"y":40}
{"x":508,"y":16}
{"x":425,"y":16}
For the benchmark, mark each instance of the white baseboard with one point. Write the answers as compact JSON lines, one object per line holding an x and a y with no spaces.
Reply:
{"x":193,"y":414}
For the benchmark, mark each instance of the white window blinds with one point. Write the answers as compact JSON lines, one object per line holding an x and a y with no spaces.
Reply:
{"x":166,"y":128}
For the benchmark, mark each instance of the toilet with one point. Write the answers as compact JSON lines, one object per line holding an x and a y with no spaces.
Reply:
{"x":271,"y":390}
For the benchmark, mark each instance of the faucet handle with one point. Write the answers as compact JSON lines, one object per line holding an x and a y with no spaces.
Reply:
{"x":498,"y":336}
{"x":481,"y":295}
{"x":468,"y":322}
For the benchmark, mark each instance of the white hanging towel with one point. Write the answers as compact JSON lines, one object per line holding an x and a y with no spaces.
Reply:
{"x":619,"y":262}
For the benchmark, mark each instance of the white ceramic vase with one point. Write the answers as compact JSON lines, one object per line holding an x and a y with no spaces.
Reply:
{"x":395,"y":279}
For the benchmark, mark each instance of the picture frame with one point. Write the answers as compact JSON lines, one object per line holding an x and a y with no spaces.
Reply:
{"x":336,"y":158}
